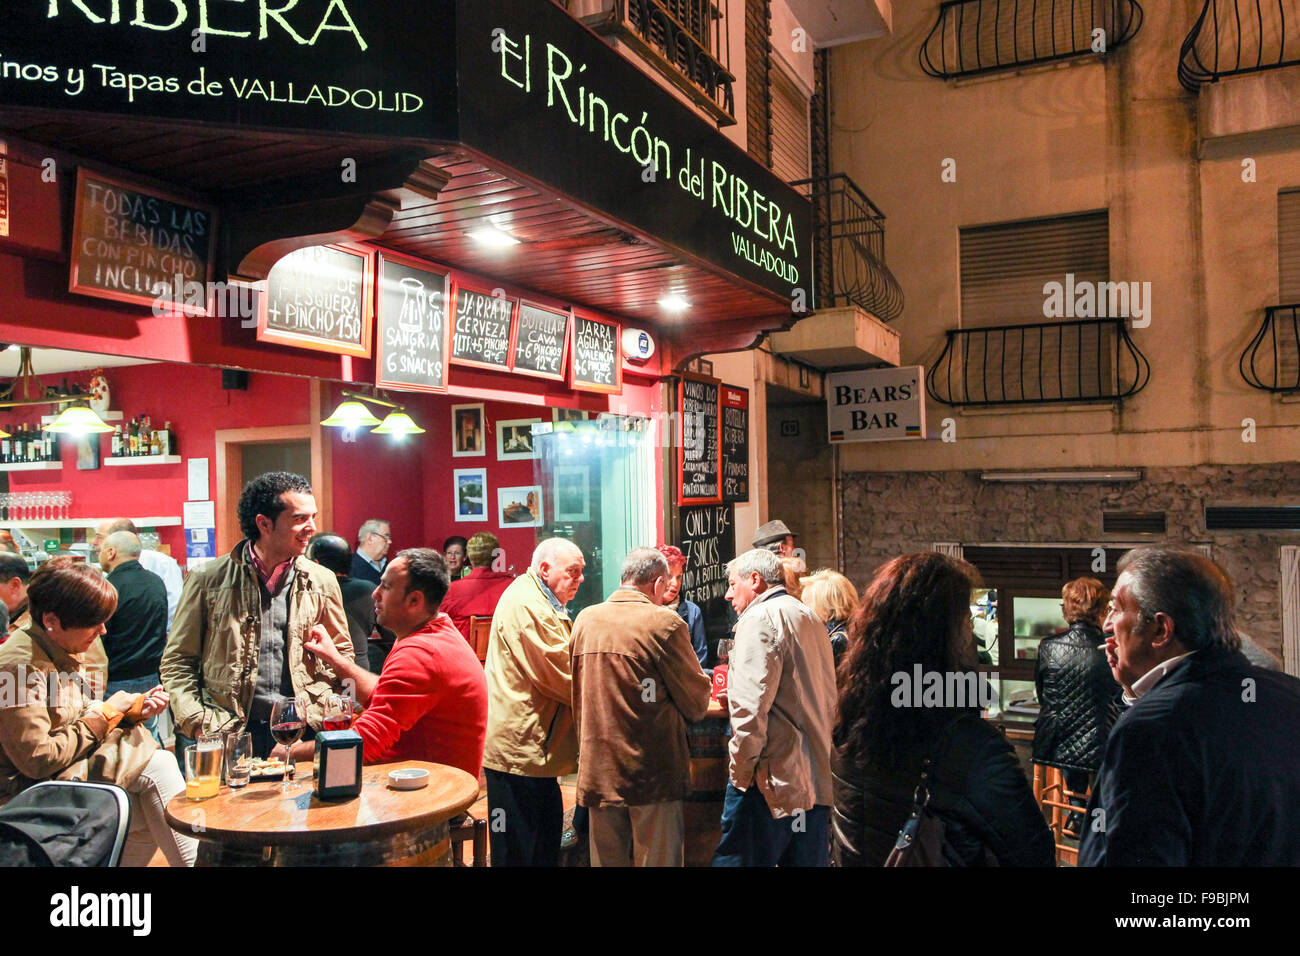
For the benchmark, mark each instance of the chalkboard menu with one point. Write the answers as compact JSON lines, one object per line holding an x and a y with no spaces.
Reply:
{"x":597,"y":361}
{"x":708,"y":539}
{"x":700,"y":452}
{"x":735,"y":444}
{"x":481,"y":335}
{"x":414,"y":334}
{"x":540,"y":341}
{"x":138,"y":245}
{"x":319,"y":298}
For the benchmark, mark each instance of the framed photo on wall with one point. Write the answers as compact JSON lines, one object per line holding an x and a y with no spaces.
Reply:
{"x":519,"y":507}
{"x":515,"y":439}
{"x":470,"y":488}
{"x":468,"y":425}
{"x":572,"y":493}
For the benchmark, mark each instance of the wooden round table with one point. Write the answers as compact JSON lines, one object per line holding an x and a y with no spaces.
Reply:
{"x":260,"y":825}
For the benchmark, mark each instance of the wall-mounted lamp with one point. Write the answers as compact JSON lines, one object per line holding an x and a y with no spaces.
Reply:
{"x":352,"y":414}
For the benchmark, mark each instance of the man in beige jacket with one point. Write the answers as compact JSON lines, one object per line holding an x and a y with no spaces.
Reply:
{"x":530,"y":736}
{"x":781,"y":694}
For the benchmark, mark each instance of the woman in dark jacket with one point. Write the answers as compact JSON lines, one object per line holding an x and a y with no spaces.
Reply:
{"x":1078,"y":697}
{"x":833,"y":598}
{"x":915,"y":621}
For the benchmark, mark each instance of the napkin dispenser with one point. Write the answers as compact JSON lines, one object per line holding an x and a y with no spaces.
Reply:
{"x":336,"y":765}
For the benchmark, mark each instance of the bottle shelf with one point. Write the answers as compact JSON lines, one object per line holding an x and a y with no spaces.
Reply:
{"x":33,"y":466}
{"x":143,"y":460}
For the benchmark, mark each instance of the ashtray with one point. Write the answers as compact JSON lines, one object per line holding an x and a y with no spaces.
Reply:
{"x":412,"y":778}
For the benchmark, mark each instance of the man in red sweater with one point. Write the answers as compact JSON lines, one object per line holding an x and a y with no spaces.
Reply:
{"x":477,"y":594}
{"x":430,"y":700}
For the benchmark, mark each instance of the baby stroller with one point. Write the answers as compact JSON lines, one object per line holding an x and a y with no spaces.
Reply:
{"x":65,"y":823}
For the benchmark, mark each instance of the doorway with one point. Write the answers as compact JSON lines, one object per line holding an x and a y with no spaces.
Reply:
{"x":244,"y":453}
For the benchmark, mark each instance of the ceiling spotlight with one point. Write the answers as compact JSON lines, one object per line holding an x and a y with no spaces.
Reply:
{"x":493,"y":238}
{"x":674,"y":302}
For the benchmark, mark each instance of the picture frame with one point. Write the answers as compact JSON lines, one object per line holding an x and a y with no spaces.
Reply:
{"x":520,"y":507}
{"x":568,"y":415}
{"x":469,"y":488}
{"x":572,"y":493}
{"x":515,"y":439}
{"x":468,"y":427}
{"x":88,"y":458}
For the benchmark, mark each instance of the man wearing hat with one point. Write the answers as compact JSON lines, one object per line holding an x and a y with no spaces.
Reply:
{"x":776,"y":537}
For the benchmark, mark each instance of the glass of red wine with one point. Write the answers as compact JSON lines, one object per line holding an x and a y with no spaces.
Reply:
{"x":287,"y":726}
{"x":338,"y":712}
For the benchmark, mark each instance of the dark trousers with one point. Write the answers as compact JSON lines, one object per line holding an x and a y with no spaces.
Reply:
{"x":751,"y":836}
{"x":525,"y":815}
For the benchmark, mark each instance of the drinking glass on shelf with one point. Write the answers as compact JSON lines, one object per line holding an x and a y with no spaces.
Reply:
{"x":287,"y":726}
{"x":65,"y":499}
{"x":4,"y":505}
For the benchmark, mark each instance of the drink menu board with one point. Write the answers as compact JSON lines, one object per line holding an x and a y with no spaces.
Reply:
{"x":735,"y":444}
{"x":138,"y":245}
{"x":540,"y":341}
{"x":700,"y":450}
{"x":708,"y":539}
{"x":483,"y":329}
{"x":597,"y":361}
{"x":319,"y":298}
{"x":414,"y":334}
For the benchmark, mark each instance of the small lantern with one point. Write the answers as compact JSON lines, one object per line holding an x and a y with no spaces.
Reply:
{"x":336,"y":765}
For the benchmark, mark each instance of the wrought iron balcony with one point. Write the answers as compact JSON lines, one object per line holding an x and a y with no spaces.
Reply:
{"x":1086,"y":360}
{"x":685,"y":40}
{"x":1232,"y":37}
{"x":980,"y":36}
{"x":1271,"y":361}
{"x":849,"y":247}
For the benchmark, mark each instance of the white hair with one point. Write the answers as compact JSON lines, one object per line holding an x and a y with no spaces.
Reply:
{"x":758,"y":561}
{"x":124,"y":543}
{"x":552,"y":551}
{"x":642,"y":566}
{"x":370,"y":527}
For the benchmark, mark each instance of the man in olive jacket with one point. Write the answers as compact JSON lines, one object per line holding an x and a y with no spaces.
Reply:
{"x":530,"y":736}
{"x":236,"y":643}
{"x":636,"y":684}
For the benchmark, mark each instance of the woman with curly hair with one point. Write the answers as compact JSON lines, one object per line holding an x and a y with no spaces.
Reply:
{"x":914,"y":623}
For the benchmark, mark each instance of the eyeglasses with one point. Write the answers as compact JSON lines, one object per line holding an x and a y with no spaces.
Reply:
{"x":380,"y":534}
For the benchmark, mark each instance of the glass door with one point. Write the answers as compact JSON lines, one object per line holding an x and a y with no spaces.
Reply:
{"x":598,"y":490}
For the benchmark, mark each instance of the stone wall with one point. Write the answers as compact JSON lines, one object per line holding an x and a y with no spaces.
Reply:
{"x":891,"y":513}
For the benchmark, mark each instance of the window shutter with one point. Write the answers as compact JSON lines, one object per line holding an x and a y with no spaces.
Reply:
{"x":1004,"y":269}
{"x":790,"y":159}
{"x":1287,"y":355}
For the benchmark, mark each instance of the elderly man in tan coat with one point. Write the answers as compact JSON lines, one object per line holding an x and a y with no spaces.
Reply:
{"x":636,"y":684}
{"x":530,"y":736}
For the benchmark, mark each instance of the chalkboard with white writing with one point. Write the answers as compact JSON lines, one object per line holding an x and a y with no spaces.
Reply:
{"x":414,"y":332}
{"x":700,"y":451}
{"x":483,"y":330}
{"x":597,"y":360}
{"x":708,"y":540}
{"x":138,"y":245}
{"x":735,"y":444}
{"x":319,"y":298}
{"x":540,"y":341}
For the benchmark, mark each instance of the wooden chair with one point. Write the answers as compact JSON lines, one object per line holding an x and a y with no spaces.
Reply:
{"x":479,"y":629}
{"x":469,"y":829}
{"x":1054,"y":798}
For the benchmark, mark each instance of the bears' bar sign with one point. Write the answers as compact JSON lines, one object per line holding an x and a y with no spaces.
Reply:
{"x":143,"y":246}
{"x":483,"y":332}
{"x":699,"y":455}
{"x":414,"y":334}
{"x":597,"y":361}
{"x":319,"y":298}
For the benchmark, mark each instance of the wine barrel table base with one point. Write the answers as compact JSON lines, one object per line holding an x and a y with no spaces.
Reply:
{"x":261,"y":825}
{"x":702,"y":809}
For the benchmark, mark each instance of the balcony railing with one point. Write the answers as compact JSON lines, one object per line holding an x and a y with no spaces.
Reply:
{"x":1232,"y":37}
{"x":981,"y":36}
{"x":849,"y":247}
{"x":685,"y":40}
{"x":1271,"y":361}
{"x":1088,"y":360}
